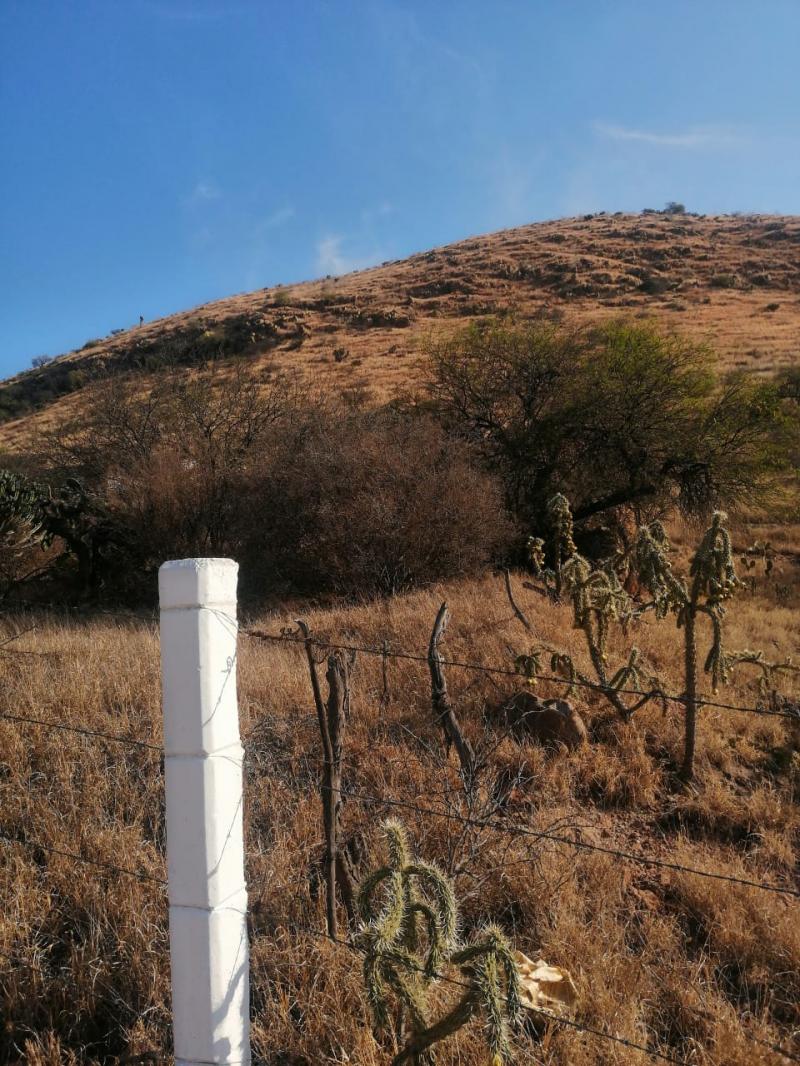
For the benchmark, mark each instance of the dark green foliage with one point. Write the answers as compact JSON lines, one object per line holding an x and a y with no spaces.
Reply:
{"x":19,"y":501}
{"x":653,"y":284}
{"x":36,"y":515}
{"x":617,"y":416}
{"x":724,"y":281}
{"x":21,"y":526}
{"x":789,"y":383}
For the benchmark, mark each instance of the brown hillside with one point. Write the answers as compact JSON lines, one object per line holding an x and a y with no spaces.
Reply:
{"x":733,"y":281}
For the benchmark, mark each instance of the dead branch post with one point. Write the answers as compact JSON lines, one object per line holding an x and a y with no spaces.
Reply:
{"x":332,"y":720}
{"x":443,"y":711}
{"x":338,"y":714}
{"x":385,"y":675}
{"x":514,"y":605}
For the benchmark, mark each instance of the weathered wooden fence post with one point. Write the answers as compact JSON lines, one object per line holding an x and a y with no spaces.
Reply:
{"x":203,"y":780}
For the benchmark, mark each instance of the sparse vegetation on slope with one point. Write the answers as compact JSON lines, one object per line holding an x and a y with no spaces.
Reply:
{"x":660,"y":265}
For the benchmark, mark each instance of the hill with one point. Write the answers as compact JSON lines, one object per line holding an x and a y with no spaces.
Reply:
{"x":733,"y":281}
{"x":672,"y":904}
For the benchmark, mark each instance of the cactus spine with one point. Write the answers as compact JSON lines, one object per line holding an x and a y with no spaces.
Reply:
{"x":409,"y":937}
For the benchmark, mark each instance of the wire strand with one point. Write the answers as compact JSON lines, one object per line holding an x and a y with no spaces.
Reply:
{"x":83,"y":858}
{"x":64,"y":727}
{"x":507,"y":672}
{"x":580,"y":845}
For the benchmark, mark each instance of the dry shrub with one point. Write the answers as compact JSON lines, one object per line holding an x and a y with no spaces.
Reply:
{"x":312,"y":495}
{"x":365,"y":503}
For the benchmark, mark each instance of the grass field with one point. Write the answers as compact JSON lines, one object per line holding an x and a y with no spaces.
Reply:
{"x":703,"y":971}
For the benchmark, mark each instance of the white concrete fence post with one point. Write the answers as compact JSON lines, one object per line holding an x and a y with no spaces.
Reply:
{"x":203,"y":780}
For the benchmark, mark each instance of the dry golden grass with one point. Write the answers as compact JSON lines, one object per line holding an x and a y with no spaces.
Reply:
{"x":587,"y":268}
{"x":699,"y":969}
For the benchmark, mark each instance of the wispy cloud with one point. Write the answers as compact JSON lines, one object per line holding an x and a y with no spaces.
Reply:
{"x":331,"y":259}
{"x":369,"y":215}
{"x":203,"y":192}
{"x":696,"y":137}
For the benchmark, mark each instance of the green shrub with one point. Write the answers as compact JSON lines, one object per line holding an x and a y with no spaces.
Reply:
{"x":615,"y":416}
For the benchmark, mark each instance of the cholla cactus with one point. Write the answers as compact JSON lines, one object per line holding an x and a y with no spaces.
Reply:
{"x":597,"y":597}
{"x":768,"y":671}
{"x":411,"y":937}
{"x":561,"y":664}
{"x":651,"y":557}
{"x":760,"y":550}
{"x":559,"y":518}
{"x":530,"y":665}
{"x":629,"y":675}
{"x":490,"y":967}
{"x":713,"y":568}
{"x":713,"y":582}
{"x":598,"y":600}
{"x":536,"y":555}
{"x":406,"y":941}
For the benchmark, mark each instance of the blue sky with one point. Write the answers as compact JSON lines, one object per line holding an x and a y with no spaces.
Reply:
{"x":157,"y":154}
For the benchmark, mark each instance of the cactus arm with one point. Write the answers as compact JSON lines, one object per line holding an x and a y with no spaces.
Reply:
{"x":441,"y":889}
{"x":422,"y":1041}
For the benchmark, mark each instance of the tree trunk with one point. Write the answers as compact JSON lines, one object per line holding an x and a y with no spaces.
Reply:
{"x":690,"y":669}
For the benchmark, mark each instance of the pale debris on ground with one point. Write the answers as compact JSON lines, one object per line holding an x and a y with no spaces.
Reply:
{"x":543,"y":986}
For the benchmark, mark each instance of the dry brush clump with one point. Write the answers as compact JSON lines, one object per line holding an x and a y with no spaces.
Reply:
{"x":314,"y":494}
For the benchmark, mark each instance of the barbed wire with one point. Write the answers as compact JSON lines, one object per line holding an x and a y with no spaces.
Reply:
{"x":145,"y":615}
{"x":580,"y":845}
{"x":81,"y":730}
{"x":139,"y":875}
{"x":502,"y":671}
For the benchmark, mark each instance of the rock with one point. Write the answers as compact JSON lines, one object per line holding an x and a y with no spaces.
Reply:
{"x":548,"y":721}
